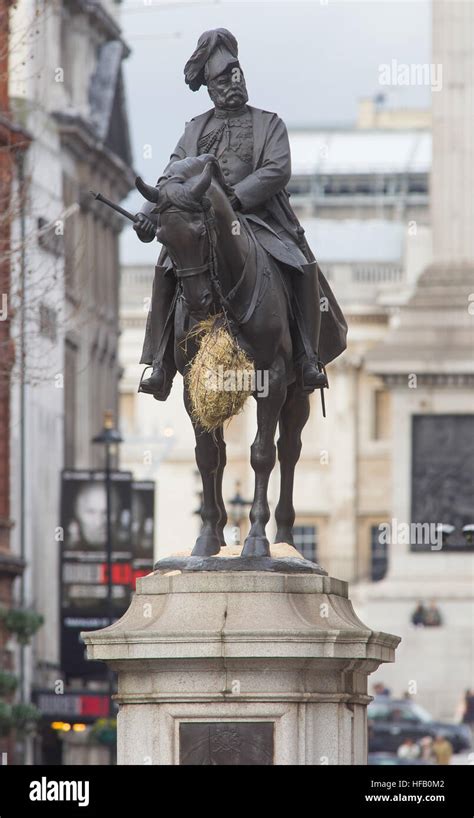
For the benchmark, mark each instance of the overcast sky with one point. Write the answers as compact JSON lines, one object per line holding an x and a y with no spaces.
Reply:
{"x":308,"y":60}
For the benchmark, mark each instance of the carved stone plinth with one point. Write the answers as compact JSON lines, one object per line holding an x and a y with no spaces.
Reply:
{"x":241,"y":668}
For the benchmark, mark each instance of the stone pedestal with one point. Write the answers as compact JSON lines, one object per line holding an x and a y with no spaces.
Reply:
{"x":241,"y":668}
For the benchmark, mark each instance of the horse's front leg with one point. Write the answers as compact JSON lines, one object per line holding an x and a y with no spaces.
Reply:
{"x":262,"y":458}
{"x":219,"y":436}
{"x":293,"y":416}
{"x":207,"y":460}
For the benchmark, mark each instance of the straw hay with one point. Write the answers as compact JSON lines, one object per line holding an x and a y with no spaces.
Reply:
{"x":220,"y":377}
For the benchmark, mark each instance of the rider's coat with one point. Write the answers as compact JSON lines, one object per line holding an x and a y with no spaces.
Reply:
{"x":256,"y":147}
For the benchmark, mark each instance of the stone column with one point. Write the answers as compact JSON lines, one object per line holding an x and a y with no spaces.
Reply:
{"x":241,"y":668}
{"x":427,"y":362}
{"x":452,"y":175}
{"x":427,"y":357}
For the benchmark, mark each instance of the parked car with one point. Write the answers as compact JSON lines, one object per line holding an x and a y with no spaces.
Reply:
{"x":390,"y":759}
{"x":391,"y":721}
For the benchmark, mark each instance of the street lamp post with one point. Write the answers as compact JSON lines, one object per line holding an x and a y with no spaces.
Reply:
{"x":238,"y":508}
{"x":200,"y":494}
{"x":109,"y":437}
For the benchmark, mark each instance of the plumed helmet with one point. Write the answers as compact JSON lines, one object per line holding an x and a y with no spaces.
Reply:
{"x":216,"y":51}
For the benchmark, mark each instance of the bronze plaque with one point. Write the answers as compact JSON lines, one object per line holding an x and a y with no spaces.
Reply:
{"x":217,"y":743}
{"x":443,"y":476}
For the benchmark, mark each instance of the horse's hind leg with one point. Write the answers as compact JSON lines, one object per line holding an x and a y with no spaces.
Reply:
{"x":293,"y":417}
{"x":219,"y":475}
{"x":207,"y":460}
{"x":263,"y":455}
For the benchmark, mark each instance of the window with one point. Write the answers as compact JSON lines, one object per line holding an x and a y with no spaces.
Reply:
{"x":127,"y":411}
{"x":381,"y":414}
{"x":70,"y":403}
{"x":47,"y":237}
{"x":405,"y":714}
{"x":411,"y":713}
{"x":70,"y":238}
{"x":378,"y":712}
{"x":48,"y":322}
{"x":300,"y":185}
{"x":378,"y":554}
{"x":420,"y":713}
{"x":442,"y":483}
{"x":66,"y":51}
{"x":305,"y":540}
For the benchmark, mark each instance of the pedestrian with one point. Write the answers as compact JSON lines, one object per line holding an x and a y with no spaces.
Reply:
{"x":432,"y":618}
{"x":442,"y":750}
{"x":418,"y":616}
{"x":408,"y":750}
{"x":426,"y":748}
{"x":380,"y":690}
{"x":468,"y":712}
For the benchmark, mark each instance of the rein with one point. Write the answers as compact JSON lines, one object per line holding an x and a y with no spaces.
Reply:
{"x":187,"y":272}
{"x":212,"y":267}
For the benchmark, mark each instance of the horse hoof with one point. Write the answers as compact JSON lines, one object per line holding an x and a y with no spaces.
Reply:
{"x":206,"y":546}
{"x":256,"y":547}
{"x":284,"y":535}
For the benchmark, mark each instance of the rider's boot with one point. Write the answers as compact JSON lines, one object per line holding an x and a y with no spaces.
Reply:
{"x":159,"y":383}
{"x":308,"y":319}
{"x":160,"y":331}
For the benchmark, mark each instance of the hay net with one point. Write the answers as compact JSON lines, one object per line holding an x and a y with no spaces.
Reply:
{"x":221,"y":375}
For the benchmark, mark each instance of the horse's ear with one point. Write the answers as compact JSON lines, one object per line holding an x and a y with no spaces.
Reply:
{"x":198,"y":188}
{"x":148,"y":192}
{"x":217,"y":171}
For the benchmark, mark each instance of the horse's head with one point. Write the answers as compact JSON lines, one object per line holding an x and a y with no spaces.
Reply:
{"x":185,"y":226}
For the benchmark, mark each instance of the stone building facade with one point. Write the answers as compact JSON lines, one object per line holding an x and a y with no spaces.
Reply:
{"x":426,"y":363}
{"x":14,"y":142}
{"x":66,"y":87}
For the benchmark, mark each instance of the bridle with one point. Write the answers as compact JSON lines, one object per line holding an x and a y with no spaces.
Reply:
{"x":209,"y":266}
{"x":187,"y":272}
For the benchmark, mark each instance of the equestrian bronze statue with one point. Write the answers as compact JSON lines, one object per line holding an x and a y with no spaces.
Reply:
{"x":233,"y":247}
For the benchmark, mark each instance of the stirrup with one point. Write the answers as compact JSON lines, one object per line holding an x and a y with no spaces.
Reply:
{"x":163,"y":393}
{"x":322,"y":368}
{"x":150,"y":366}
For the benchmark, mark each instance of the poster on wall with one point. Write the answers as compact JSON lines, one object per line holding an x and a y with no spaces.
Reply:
{"x":83,"y":564}
{"x":143,"y":523}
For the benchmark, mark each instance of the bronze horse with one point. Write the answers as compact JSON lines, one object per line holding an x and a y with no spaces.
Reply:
{"x":220,"y":267}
